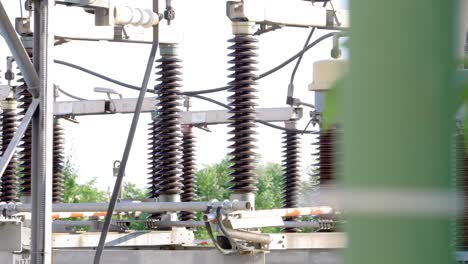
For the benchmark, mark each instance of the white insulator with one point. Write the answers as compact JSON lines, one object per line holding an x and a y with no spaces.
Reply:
{"x":326,"y":73}
{"x":125,"y":15}
{"x":243,"y":28}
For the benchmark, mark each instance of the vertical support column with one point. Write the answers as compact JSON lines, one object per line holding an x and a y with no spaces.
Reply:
{"x":42,"y":139}
{"x":398,"y":120}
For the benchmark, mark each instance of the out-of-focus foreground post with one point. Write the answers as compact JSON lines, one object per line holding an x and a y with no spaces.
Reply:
{"x":398,"y":120}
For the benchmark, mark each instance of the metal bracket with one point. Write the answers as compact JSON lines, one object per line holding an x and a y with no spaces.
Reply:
{"x":288,"y":13}
{"x":17,"y":49}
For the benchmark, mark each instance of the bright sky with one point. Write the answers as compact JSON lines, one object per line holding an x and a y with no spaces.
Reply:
{"x":203,"y":28}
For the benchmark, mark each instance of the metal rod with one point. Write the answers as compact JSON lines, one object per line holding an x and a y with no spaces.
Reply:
{"x":42,"y":130}
{"x":193,"y":224}
{"x":6,"y":157}
{"x":102,"y":39}
{"x":287,"y":212}
{"x":398,"y":118}
{"x":297,"y":224}
{"x":249,"y":236}
{"x":128,"y":145}
{"x":132,"y":207}
{"x":178,"y":223}
{"x":18,"y":51}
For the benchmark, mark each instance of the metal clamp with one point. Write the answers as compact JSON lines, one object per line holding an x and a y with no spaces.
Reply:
{"x":109,"y":91}
{"x":8,"y":210}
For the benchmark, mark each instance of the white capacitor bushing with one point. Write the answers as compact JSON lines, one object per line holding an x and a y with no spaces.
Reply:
{"x":126,"y":15}
{"x":8,"y":104}
{"x":326,"y":73}
{"x":243,"y":28}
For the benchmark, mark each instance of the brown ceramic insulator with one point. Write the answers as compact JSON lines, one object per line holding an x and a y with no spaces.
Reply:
{"x":244,"y":179}
{"x":188,"y":172}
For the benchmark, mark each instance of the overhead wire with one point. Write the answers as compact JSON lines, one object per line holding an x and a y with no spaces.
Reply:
{"x":190,"y":93}
{"x":306,"y":104}
{"x":195,"y":94}
{"x":293,"y":75}
{"x":311,"y":45}
{"x":21,"y":8}
{"x":290,"y":95}
{"x":71,"y":95}
{"x":131,"y":135}
{"x":101,"y":76}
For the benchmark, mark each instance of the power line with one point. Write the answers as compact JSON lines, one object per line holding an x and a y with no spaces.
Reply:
{"x":190,"y":93}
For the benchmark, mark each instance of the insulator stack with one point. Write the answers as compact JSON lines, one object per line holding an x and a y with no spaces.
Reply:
{"x":152,"y":169}
{"x":9,"y":182}
{"x":152,"y":161}
{"x":462,"y":179}
{"x":24,"y":98}
{"x":243,"y":117}
{"x":58,"y":162}
{"x":291,"y":174}
{"x":188,"y":171}
{"x":168,"y":134}
{"x":327,"y":156}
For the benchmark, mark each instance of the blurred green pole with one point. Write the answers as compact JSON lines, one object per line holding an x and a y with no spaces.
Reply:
{"x":398,"y":121}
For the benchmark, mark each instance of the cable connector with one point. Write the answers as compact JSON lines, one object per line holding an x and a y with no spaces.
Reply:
{"x":336,"y":51}
{"x":169,"y":14}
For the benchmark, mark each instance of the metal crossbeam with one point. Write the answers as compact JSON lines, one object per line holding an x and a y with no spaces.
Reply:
{"x":130,"y":207}
{"x":289,"y":13}
{"x":126,"y":106}
{"x":85,"y":3}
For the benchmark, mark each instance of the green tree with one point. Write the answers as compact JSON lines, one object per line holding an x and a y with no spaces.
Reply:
{"x":80,"y":193}
{"x":213,"y":183}
{"x":269,"y":186}
{"x":132,"y":192}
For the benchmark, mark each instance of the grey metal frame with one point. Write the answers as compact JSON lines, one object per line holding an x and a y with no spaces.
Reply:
{"x":37,"y":77}
{"x":129,"y":207}
{"x":127,"y":106}
{"x":17,"y":49}
{"x":42,"y":130}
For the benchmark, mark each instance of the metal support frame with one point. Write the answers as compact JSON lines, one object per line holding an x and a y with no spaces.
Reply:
{"x":17,"y":49}
{"x":130,"y":207}
{"x":96,"y":225}
{"x":85,"y":3}
{"x":127,"y":106}
{"x":42,"y":130}
{"x":289,"y":13}
{"x":190,"y":256}
{"x":176,"y":236}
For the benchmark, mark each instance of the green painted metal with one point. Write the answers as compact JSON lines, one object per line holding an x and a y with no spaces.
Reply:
{"x":398,"y":118}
